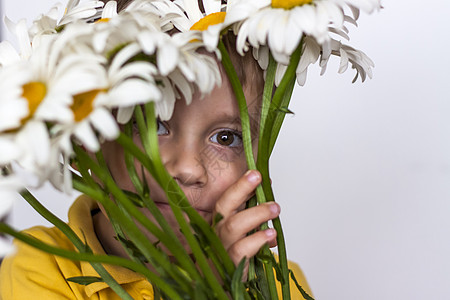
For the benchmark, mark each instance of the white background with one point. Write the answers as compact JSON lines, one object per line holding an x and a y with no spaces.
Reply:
{"x":362,"y":171}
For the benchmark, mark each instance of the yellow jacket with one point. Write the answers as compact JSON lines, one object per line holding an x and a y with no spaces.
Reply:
{"x":33,"y":274}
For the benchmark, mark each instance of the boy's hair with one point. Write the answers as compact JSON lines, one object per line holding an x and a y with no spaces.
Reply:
{"x":247,"y":68}
{"x":121,"y":4}
{"x":249,"y":72}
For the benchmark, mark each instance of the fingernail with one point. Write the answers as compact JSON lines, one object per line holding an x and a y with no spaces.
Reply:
{"x":270,"y":232}
{"x":252,"y":176}
{"x":275,"y":208}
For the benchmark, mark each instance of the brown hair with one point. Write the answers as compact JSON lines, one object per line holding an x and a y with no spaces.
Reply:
{"x":247,"y":68}
{"x":121,"y":4}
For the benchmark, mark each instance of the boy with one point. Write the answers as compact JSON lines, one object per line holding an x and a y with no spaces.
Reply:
{"x":201,"y":148}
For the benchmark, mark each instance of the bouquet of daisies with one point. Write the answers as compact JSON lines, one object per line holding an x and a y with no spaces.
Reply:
{"x":97,"y":75}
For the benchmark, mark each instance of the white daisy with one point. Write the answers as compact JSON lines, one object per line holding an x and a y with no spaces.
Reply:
{"x":198,"y":67}
{"x":46,"y":23}
{"x":22,"y":137}
{"x":114,"y":30}
{"x":181,"y":67}
{"x":210,"y":27}
{"x":178,"y":66}
{"x":51,"y":22}
{"x":167,"y":11}
{"x":10,"y":150}
{"x":313,"y":51}
{"x":205,"y":16}
{"x":36,"y":90}
{"x":13,"y":106}
{"x":8,"y":55}
{"x":126,"y":83}
{"x":358,"y":60}
{"x":182,"y":14}
{"x":88,"y":10}
{"x":87,"y":114}
{"x":280,"y":24}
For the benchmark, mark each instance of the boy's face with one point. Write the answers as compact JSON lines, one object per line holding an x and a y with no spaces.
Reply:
{"x":201,"y":148}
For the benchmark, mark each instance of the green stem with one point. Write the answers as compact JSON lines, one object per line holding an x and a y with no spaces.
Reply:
{"x":116,"y":225}
{"x":263,"y":165}
{"x":175,"y":245}
{"x":266,"y":100}
{"x":262,"y":282}
{"x":193,"y":215}
{"x":150,"y":142}
{"x":269,"y":135}
{"x":248,"y":149}
{"x":86,"y":177}
{"x":129,"y":162}
{"x":278,"y":121}
{"x":267,"y":95}
{"x":275,"y":106}
{"x":153,"y":255}
{"x":243,"y":110}
{"x":80,"y":186}
{"x":105,"y":259}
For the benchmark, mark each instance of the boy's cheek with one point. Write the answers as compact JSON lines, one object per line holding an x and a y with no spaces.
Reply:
{"x":219,"y":162}
{"x":222,"y":173}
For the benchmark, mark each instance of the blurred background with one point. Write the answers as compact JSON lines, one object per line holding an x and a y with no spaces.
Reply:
{"x":362,"y":171}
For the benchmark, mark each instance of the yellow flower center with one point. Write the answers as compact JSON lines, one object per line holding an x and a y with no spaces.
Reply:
{"x":34,"y":92}
{"x":104,"y":20}
{"x":289,"y":4}
{"x":211,"y":19}
{"x":83,"y":104}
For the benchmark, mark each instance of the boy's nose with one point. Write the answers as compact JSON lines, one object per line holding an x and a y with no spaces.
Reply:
{"x":186,"y":167}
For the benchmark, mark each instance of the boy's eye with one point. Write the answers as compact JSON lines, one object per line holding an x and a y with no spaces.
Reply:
{"x":162,"y":130}
{"x":227,"y":138}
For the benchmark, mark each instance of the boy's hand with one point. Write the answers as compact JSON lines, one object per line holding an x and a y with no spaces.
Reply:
{"x":237,"y":221}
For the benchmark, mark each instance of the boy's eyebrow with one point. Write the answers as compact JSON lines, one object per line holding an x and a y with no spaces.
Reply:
{"x":226,"y":117}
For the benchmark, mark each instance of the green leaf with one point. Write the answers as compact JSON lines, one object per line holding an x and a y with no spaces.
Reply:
{"x":141,"y":56}
{"x":199,"y":293}
{"x":237,"y":286}
{"x":209,"y":252}
{"x":86,"y":248}
{"x":135,"y":198}
{"x":285,"y":110}
{"x":276,"y":266}
{"x":112,"y":53}
{"x":299,"y":287}
{"x":85,"y":280}
{"x":60,"y":28}
{"x":278,"y":272}
{"x":146,"y":188}
{"x":129,"y":161}
{"x":156,"y":243}
{"x":132,"y":247}
{"x":5,"y":171}
{"x":262,"y":284}
{"x":156,"y":293}
{"x":254,"y":290}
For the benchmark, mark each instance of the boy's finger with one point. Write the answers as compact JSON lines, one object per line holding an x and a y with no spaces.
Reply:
{"x":238,"y":225}
{"x":238,"y":193}
{"x":250,"y":245}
